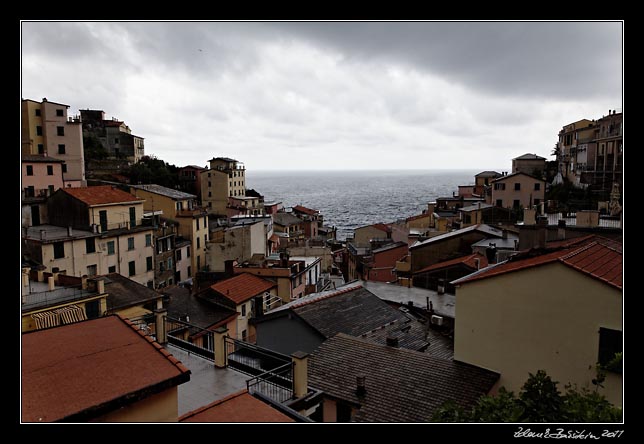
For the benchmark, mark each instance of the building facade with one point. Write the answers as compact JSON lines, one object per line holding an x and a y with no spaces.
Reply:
{"x":47,"y":130}
{"x":41,"y":176}
{"x":114,"y":135}
{"x":225,"y":178}
{"x":518,"y":190}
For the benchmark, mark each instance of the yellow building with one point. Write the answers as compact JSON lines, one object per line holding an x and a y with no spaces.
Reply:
{"x":182,"y":208}
{"x":47,"y":130}
{"x":560,"y":312}
{"x":225,"y":178}
{"x":93,"y":231}
{"x":518,"y":190}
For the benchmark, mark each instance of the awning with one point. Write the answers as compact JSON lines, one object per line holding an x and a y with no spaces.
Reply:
{"x":65,"y":315}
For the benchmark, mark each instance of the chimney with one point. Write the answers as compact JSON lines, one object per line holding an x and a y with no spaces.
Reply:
{"x":100,"y":286}
{"x":529,"y":215}
{"x":284,"y":259}
{"x":259,"y":306}
{"x":477,"y":261}
{"x":69,"y":231}
{"x":516,"y":244}
{"x":50,"y":283}
{"x":490,"y":253}
{"x":84,"y":282}
{"x":441,"y":286}
{"x":300,"y":374}
{"x":41,"y":276}
{"x":361,"y":388}
{"x":541,"y":232}
{"x":392,"y":341}
{"x":587,"y":218}
{"x":561,"y":229}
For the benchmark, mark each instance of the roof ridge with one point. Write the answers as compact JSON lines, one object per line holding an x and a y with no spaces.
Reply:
{"x":577,"y":250}
{"x":326,"y":296}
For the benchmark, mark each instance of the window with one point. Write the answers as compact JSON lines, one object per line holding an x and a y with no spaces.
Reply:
{"x":60,"y":113}
{"x":130,"y":243}
{"x":110,"y":247}
{"x":148,"y":263}
{"x":60,"y":130}
{"x":41,"y":148}
{"x":209,"y":184}
{"x":111,"y":269}
{"x":61,"y":148}
{"x":244,"y":335}
{"x":30,"y":170}
{"x":50,"y":170}
{"x":208,"y":176}
{"x":205,"y":221}
{"x":517,"y":186}
{"x":178,"y":255}
{"x":198,"y":263}
{"x":209,"y":194}
{"x":189,"y":271}
{"x":132,"y":217}
{"x":198,"y":242}
{"x":169,"y":263}
{"x":91,"y":270}
{"x":30,"y":191}
{"x":102,"y":215}
{"x":148,"y":240}
{"x":37,"y":113}
{"x":610,"y":343}
{"x":537,"y":186}
{"x":499,"y":186}
{"x":116,"y":140}
{"x":499,"y":203}
{"x":178,"y":206}
{"x":188,"y":252}
{"x":516,"y":203}
{"x":243,"y":312}
{"x":51,"y":189}
{"x":38,"y":130}
{"x":131,"y":268}
{"x":90,"y":245}
{"x":64,"y":167}
{"x":59,"y":250}
{"x":197,"y":223}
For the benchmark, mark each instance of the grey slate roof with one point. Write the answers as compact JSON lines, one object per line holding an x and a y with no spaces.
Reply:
{"x":488,"y":174}
{"x":123,"y":292}
{"x":201,"y":312}
{"x":353,"y":312}
{"x":481,"y":228}
{"x":286,"y":219}
{"x":390,"y":247}
{"x":529,"y":156}
{"x":165,"y":191}
{"x":31,"y":158}
{"x":401,"y":385}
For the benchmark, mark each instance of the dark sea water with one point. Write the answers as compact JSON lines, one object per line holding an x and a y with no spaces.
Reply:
{"x":350,"y":199}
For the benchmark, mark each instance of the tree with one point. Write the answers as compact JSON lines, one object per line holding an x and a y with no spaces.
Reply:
{"x":539,"y":401}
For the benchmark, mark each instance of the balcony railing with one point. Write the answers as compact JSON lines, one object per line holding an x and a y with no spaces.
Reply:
{"x":276,"y":384}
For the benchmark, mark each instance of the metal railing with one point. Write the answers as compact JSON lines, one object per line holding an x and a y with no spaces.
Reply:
{"x":276,"y":384}
{"x":251,"y":359}
{"x":184,"y":335}
{"x":57,"y":296}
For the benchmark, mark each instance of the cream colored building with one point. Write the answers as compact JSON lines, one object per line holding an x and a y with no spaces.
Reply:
{"x":94,"y":230}
{"x":238,"y":243}
{"x":47,"y":130}
{"x":518,"y":190}
{"x":560,"y":312}
{"x":225,"y":178}
{"x":181,"y":207}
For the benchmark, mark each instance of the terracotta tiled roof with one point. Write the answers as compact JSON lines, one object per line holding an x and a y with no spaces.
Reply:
{"x":238,"y":407}
{"x":382,"y":227}
{"x":465,"y":260}
{"x":502,"y":178}
{"x":80,"y":371}
{"x":597,"y":257}
{"x":309,"y":211}
{"x":101,"y":195}
{"x":401,"y":385}
{"x":242,"y":287}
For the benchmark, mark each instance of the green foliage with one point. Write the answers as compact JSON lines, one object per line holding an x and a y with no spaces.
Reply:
{"x":152,"y":170}
{"x":93,"y":148}
{"x":539,"y":401}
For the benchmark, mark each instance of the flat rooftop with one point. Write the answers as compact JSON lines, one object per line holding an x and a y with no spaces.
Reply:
{"x":444,"y":304}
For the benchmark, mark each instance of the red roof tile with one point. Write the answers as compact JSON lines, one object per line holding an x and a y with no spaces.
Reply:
{"x":465,"y":260}
{"x":101,"y":195}
{"x":382,"y":227}
{"x":71,"y":370}
{"x":242,"y":287}
{"x":309,"y":211}
{"x":596,"y":256}
{"x":238,"y":407}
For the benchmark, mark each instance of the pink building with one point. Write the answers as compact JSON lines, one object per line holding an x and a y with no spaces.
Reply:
{"x":41,"y":176}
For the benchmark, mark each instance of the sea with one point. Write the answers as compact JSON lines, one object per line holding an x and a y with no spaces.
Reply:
{"x":351,"y":199}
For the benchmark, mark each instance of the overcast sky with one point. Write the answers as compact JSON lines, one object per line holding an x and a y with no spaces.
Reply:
{"x":332,"y":95}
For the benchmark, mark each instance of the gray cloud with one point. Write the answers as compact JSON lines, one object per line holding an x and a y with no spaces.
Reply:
{"x":318,"y":95}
